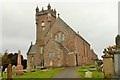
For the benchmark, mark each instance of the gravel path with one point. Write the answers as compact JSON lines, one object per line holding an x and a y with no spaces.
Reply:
{"x":68,"y":72}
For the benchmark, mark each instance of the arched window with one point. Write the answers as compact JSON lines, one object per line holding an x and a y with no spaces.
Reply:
{"x":51,"y":55}
{"x":56,"y":37}
{"x":41,"y":50}
{"x":59,"y":36}
{"x":63,"y":37}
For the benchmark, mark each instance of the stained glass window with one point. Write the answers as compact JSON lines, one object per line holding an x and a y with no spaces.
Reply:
{"x":52,"y":55}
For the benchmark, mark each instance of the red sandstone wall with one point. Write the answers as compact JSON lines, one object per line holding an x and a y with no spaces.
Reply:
{"x":52,"y":47}
{"x":83,"y":50}
{"x":72,"y":42}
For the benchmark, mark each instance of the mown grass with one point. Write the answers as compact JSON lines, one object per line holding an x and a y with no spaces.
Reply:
{"x":96,"y":73}
{"x":37,"y":74}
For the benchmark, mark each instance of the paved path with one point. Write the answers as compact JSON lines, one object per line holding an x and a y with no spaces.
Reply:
{"x":69,"y":72}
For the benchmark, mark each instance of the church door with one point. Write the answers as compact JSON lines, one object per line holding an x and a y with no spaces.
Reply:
{"x":76,"y":59}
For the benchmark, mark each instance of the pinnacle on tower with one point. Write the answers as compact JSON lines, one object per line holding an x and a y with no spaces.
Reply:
{"x":37,"y":9}
{"x":49,"y":7}
{"x":42,"y":9}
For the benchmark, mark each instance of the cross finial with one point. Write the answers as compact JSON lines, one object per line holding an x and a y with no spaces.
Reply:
{"x":42,"y":9}
{"x":49,"y":7}
{"x":37,"y":9}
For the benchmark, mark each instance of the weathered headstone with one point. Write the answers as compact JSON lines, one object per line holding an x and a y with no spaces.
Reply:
{"x":9,"y":72}
{"x":117,"y":57}
{"x":108,"y":66}
{"x":0,"y":72}
{"x":88,"y":74}
{"x":5,"y":70}
{"x":19,"y":68}
{"x":13,"y":69}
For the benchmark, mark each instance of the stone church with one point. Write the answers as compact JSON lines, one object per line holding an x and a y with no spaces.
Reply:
{"x":57,"y":44}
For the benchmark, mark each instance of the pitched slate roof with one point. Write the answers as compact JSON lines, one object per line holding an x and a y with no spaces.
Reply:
{"x":32,"y":49}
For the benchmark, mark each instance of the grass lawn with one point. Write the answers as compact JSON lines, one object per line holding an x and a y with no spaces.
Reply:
{"x":38,"y":74}
{"x":96,"y":74}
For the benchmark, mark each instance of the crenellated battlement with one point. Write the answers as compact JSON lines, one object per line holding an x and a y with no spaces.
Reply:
{"x":43,"y":12}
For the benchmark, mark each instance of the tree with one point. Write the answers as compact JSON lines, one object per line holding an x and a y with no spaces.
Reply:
{"x":5,"y":60}
{"x":24,"y":63}
{"x":14,"y":59}
{"x":10,"y":56}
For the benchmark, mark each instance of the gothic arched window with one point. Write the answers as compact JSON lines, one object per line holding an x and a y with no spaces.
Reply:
{"x":59,"y":36}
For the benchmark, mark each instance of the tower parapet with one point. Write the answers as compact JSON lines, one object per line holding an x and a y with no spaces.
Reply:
{"x":43,"y":12}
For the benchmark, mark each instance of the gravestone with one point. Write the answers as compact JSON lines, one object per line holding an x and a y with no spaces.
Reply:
{"x":5,"y":70}
{"x":88,"y":74}
{"x":0,"y":72}
{"x":13,"y":69}
{"x":9,"y":72}
{"x":108,"y":65}
{"x":19,"y":68}
{"x":117,"y":57}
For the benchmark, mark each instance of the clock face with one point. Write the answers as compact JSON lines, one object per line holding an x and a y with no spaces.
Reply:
{"x":43,"y":24}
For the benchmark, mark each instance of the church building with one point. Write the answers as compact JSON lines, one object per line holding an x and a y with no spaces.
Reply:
{"x":57,"y":44}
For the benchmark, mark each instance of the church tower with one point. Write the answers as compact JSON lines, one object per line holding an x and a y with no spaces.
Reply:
{"x":44,"y":21}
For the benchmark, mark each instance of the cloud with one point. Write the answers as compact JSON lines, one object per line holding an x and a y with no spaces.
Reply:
{"x":96,"y":20}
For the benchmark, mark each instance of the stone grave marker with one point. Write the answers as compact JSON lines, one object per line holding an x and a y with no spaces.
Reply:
{"x":117,"y":57}
{"x":9,"y":72}
{"x":5,"y":70}
{"x":13,"y":69}
{"x":19,"y":68}
{"x":108,"y":65}
{"x":88,"y":74}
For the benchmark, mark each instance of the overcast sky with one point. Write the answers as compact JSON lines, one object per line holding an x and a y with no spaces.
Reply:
{"x":96,"y":20}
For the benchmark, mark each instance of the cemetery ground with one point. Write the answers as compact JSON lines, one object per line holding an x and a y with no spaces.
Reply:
{"x":96,"y":73}
{"x":36,"y":74}
{"x":52,"y":72}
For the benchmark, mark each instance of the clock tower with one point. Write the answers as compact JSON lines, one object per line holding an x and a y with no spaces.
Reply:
{"x":44,"y":21}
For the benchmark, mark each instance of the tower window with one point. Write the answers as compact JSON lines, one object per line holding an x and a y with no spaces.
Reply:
{"x":41,"y":50}
{"x":63,"y":37}
{"x":43,"y":28}
{"x":56,"y":38}
{"x":59,"y":37}
{"x":49,"y":17}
